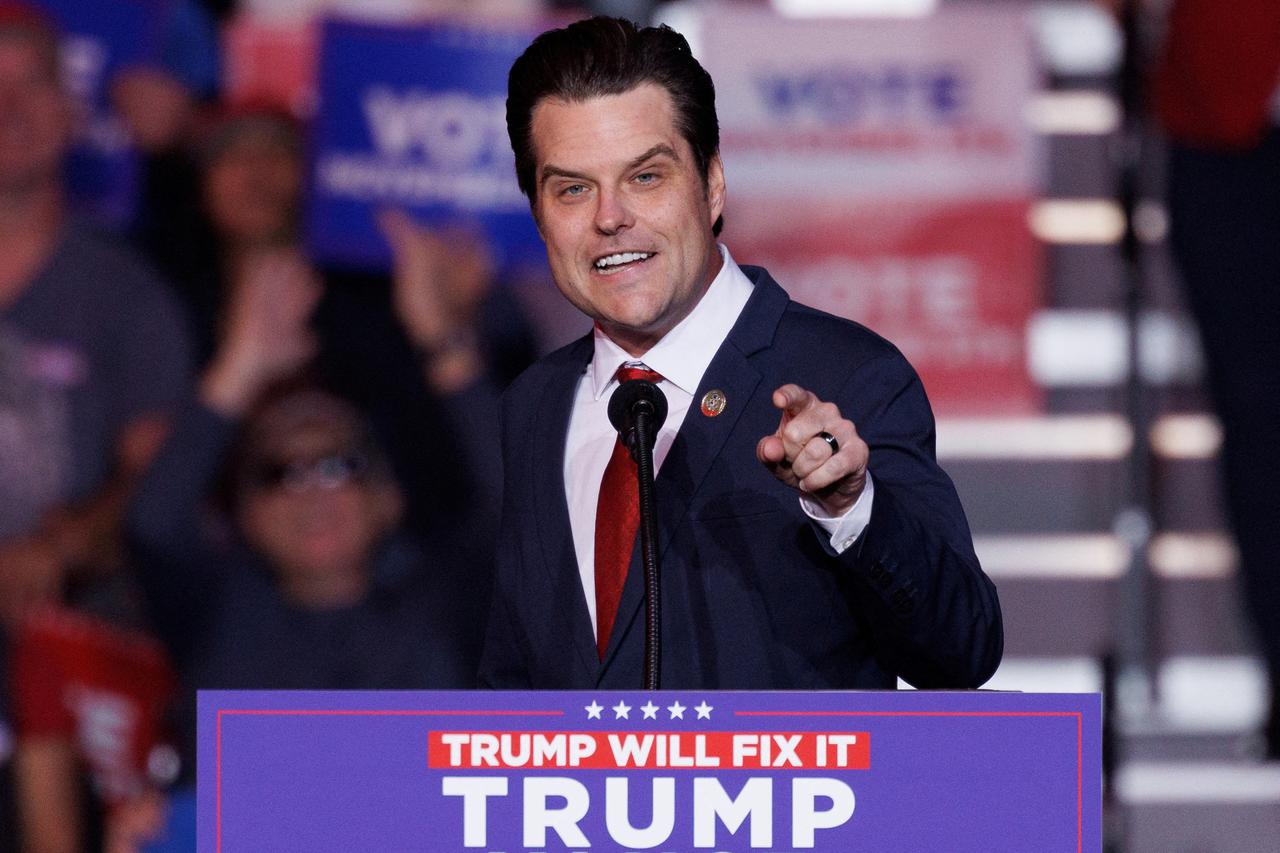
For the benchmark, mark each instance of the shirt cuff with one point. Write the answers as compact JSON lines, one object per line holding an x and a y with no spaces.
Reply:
{"x":845,"y":529}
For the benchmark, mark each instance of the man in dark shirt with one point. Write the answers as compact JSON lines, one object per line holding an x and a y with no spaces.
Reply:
{"x":93,"y":357}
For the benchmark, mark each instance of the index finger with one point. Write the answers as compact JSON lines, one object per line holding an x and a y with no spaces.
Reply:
{"x":793,"y":399}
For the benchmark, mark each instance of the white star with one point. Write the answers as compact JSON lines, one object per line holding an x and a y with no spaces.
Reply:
{"x":704,"y":710}
{"x":593,"y":710}
{"x":676,"y":709}
{"x":650,"y":710}
{"x":622,"y":711}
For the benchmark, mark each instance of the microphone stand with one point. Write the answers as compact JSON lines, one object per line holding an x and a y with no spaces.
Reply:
{"x":642,"y":450}
{"x":1129,"y":670}
{"x":637,"y":411}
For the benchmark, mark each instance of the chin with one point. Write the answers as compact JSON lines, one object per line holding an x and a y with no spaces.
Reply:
{"x":636,"y":314}
{"x":633,"y":325}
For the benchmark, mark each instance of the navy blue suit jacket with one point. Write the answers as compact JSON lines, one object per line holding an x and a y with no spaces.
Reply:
{"x":752,"y":596}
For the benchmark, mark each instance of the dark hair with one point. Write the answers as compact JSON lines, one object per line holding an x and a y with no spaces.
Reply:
{"x":291,"y":407}
{"x":610,"y":56}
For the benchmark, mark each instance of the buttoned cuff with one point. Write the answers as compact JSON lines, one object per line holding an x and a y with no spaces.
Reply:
{"x":842,"y":531}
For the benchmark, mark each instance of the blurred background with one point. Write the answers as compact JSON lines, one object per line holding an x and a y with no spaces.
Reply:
{"x":264,"y":272}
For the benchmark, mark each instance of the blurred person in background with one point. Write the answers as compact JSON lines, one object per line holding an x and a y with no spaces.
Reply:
{"x":308,"y":581}
{"x":399,"y":346}
{"x":137,"y":80}
{"x":248,"y":189}
{"x":159,"y":105}
{"x":380,"y":336}
{"x":1217,"y":90}
{"x":93,"y":357}
{"x":91,"y":700}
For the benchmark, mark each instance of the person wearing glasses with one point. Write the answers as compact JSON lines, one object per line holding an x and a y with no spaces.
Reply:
{"x":306,"y":579}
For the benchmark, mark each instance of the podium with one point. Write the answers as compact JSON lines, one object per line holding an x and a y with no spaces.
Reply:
{"x":670,"y":771}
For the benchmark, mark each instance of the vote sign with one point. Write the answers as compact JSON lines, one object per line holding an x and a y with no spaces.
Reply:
{"x":883,"y":170}
{"x":413,"y":117}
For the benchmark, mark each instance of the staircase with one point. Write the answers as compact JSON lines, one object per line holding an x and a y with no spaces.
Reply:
{"x":1042,"y":495}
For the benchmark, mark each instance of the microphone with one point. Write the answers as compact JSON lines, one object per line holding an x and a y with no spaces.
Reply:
{"x":637,"y":410}
{"x":633,"y":401}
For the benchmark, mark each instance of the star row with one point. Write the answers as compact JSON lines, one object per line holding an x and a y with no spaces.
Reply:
{"x":622,"y":711}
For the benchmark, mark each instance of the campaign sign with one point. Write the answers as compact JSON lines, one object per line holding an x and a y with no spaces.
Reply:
{"x":668,"y":771}
{"x":951,"y":284}
{"x":414,"y":117}
{"x":270,"y":62}
{"x":883,"y":170}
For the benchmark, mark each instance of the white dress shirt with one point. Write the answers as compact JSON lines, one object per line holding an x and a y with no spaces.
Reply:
{"x":681,"y":357}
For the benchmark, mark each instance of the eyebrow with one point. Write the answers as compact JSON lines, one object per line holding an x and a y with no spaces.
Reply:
{"x":657,"y":150}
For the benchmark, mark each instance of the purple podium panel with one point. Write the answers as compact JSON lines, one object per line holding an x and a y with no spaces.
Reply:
{"x":519,"y":772}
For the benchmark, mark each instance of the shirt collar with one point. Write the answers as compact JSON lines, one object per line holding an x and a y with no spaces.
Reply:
{"x":684,"y":353}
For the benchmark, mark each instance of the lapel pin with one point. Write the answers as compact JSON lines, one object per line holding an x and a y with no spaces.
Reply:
{"x":713,"y":402}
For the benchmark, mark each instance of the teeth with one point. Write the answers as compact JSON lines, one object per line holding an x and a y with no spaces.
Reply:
{"x":620,"y":258}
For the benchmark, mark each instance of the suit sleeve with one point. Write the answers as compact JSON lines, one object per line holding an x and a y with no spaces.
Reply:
{"x":502,"y":665}
{"x":934,"y":615}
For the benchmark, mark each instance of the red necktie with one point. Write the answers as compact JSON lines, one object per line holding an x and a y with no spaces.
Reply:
{"x":617,"y":519}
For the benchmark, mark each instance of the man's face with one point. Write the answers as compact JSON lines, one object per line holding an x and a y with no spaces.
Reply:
{"x":624,"y":212}
{"x":34,"y":116}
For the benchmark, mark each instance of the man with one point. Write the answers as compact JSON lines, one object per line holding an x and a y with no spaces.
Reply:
{"x":807,"y":538}
{"x":92,"y":360}
{"x":92,"y":355}
{"x":1223,"y":122}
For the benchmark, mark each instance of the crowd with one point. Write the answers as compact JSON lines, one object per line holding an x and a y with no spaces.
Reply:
{"x":220,"y":466}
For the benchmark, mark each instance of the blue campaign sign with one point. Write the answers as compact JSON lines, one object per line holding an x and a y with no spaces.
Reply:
{"x":99,"y":39}
{"x":670,"y":771}
{"x":413,"y":117}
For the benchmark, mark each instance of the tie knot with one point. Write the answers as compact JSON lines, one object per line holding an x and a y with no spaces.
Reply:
{"x":629,"y":371}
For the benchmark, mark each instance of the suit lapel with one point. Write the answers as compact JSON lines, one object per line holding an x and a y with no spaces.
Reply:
{"x":551,"y":506}
{"x":700,"y":438}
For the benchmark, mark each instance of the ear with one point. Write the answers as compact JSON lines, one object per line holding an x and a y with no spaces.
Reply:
{"x":715,"y":187}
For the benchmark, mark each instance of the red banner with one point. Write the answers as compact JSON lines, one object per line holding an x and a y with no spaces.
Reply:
{"x":952,"y":285}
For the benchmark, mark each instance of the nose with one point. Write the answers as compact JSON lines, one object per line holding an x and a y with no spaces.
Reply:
{"x":612,"y":212}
